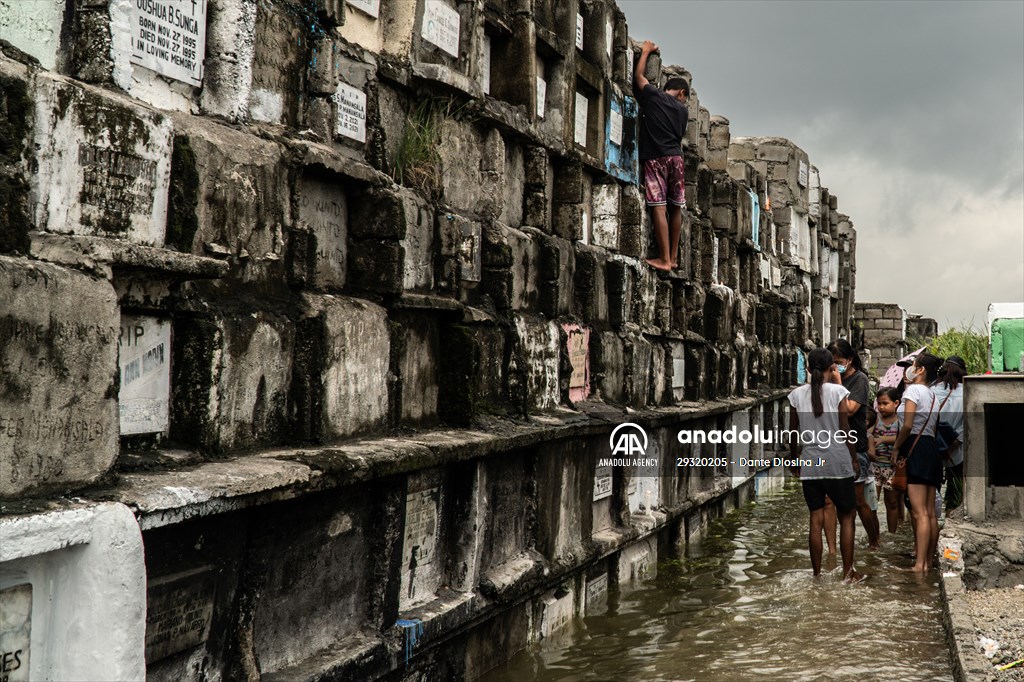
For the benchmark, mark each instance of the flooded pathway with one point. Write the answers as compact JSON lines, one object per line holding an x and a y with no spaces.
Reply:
{"x":743,"y":607}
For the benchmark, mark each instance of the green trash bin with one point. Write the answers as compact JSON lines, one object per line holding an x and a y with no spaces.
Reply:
{"x":1007,"y":344}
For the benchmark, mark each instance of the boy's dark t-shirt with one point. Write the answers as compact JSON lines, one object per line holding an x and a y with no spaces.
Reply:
{"x":664,"y":123}
{"x":857,"y":385}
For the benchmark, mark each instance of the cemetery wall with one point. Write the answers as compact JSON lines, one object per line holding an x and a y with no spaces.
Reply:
{"x":341,"y":301}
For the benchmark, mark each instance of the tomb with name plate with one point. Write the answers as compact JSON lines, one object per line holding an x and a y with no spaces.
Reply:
{"x":72,"y":594}
{"x":323,"y":207}
{"x":144,"y":356}
{"x":422,"y":559}
{"x":440,"y":28}
{"x":620,"y":149}
{"x":58,"y":413}
{"x":154,"y":50}
{"x":169,"y":38}
{"x":103,"y":165}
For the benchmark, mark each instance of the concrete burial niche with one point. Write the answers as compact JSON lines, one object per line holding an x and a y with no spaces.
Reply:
{"x":993,"y":468}
{"x":323,"y":207}
{"x":342,"y":359}
{"x":280,"y":47}
{"x":58,"y":408}
{"x":72,"y":595}
{"x":620,"y":145}
{"x":155,"y":51}
{"x":441,"y":33}
{"x":578,"y":347}
{"x":422,"y":550}
{"x":144,"y":356}
{"x":103,"y":164}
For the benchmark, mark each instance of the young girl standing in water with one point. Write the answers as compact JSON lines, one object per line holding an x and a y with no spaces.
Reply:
{"x":880,"y":443}
{"x":820,"y":408}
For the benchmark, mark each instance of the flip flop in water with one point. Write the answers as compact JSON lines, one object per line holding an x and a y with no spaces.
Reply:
{"x":853,"y":577}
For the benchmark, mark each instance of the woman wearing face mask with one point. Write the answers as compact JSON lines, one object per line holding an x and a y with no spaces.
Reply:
{"x":949,"y":392}
{"x":916,"y":443}
{"x":850,"y":373}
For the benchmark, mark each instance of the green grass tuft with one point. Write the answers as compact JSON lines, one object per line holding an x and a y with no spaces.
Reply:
{"x":965,"y":341}
{"x":417,"y":162}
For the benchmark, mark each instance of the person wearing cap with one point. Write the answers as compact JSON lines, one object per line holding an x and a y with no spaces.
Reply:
{"x":949,"y":391}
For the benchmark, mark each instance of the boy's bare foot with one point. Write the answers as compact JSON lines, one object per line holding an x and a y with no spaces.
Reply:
{"x":674,"y":264}
{"x":659,"y":264}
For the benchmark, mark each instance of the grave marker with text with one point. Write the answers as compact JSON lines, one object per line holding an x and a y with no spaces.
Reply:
{"x":15,"y":633}
{"x":58,"y":414}
{"x":351,"y":104}
{"x":324,"y":208}
{"x":144,"y":350}
{"x":169,"y":37}
{"x":103,"y":166}
{"x":441,"y":26}
{"x":580,"y":123}
{"x":178,"y":612}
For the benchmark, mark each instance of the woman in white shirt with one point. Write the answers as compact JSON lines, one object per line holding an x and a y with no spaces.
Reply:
{"x":916,"y":443}
{"x":819,"y":425}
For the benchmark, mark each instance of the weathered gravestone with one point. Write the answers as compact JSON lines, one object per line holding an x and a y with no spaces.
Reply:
{"x":103,"y":165}
{"x":58,"y":358}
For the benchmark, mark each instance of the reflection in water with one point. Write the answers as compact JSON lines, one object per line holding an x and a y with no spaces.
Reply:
{"x":743,"y":607}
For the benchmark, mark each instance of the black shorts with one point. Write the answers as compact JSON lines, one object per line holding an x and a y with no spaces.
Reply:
{"x":839,"y":490}
{"x":924,"y":467}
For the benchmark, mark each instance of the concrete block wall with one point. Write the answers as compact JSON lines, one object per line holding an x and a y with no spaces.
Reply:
{"x":886,"y":331}
{"x":922,"y":327}
{"x":883,"y":328}
{"x":806,"y":244}
{"x":364,"y":269}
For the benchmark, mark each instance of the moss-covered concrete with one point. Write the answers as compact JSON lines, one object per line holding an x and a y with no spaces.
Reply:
{"x":183,"y":198}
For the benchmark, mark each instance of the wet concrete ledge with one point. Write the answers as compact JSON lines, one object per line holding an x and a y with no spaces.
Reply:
{"x":167,"y":499}
{"x":958,"y":629}
{"x":370,"y":655}
{"x":161,"y":498}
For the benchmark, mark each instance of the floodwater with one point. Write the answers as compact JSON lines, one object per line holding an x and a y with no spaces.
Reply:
{"x":743,"y":606}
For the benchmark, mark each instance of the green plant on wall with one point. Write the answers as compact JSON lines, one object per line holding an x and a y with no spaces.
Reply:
{"x":417,"y":161}
{"x":965,"y":341}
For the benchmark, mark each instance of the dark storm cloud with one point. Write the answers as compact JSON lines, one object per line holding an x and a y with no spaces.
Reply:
{"x":912,"y":111}
{"x":922,"y":85}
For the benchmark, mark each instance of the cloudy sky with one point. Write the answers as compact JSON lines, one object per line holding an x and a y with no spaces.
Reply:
{"x":913,"y":113}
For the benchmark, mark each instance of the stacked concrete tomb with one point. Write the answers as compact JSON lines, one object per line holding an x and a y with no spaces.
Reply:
{"x":327,"y":310}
